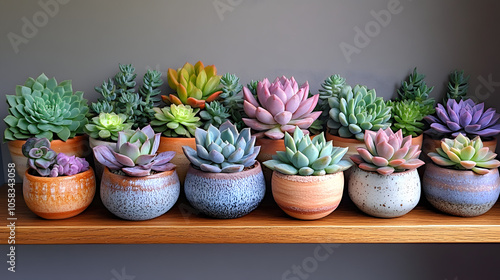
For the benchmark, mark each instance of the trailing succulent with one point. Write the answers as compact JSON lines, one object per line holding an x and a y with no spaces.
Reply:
{"x":387,"y":152}
{"x":136,"y":153}
{"x":45,"y":109}
{"x":222,"y":150}
{"x":408,"y":116}
{"x":305,"y":157}
{"x":107,"y":125}
{"x":464,"y":117}
{"x":331,"y":87}
{"x":119,"y":95}
{"x":356,"y":110}
{"x":464,"y":154}
{"x":176,"y":120}
{"x":193,"y":85}
{"x":47,"y":163}
{"x":458,"y":85}
{"x":232,"y":100}
{"x":279,"y":107}
{"x":416,"y":89}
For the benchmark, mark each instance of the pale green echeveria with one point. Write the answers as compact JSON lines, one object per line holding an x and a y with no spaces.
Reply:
{"x":222,"y":150}
{"x":176,"y":120}
{"x":107,"y":125}
{"x":303,"y":156}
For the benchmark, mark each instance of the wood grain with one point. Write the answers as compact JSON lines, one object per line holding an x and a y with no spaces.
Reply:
{"x":267,"y":224}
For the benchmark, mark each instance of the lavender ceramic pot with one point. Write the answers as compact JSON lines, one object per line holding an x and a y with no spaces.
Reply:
{"x":460,"y":192}
{"x":225,"y":195}
{"x":139,"y":198}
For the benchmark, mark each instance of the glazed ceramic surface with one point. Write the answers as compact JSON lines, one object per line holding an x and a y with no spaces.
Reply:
{"x":139,"y":198}
{"x":384,"y":196}
{"x":99,"y":168}
{"x":308,"y":197}
{"x":460,"y":192}
{"x":59,"y":197}
{"x":180,"y":160}
{"x":225,"y":195}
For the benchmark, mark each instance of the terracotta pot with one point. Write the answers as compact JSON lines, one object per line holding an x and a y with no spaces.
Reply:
{"x":418,"y":141}
{"x":460,"y":192}
{"x":77,"y":146}
{"x":99,"y":168}
{"x":268,"y":148}
{"x":308,"y":197}
{"x":175,"y":144}
{"x":351,"y":144}
{"x":384,"y":196}
{"x":225,"y":195}
{"x":59,"y":197}
{"x":139,"y":198}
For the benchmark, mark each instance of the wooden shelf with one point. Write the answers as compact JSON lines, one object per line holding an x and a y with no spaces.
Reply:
{"x":267,"y":224}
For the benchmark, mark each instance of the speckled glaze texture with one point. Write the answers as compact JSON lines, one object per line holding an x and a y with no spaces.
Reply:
{"x":308,"y":197}
{"x":225,"y":195}
{"x":99,"y":168}
{"x":460,"y":192}
{"x":175,"y":144}
{"x":59,"y":197}
{"x":139,"y":198}
{"x":384,"y":196}
{"x":77,"y":146}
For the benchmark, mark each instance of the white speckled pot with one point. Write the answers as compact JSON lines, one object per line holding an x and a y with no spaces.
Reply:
{"x":139,"y":198}
{"x":384,"y":196}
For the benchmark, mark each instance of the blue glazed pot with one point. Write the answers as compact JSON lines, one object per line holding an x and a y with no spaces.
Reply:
{"x":225,"y":195}
{"x":460,"y":192}
{"x":139,"y":198}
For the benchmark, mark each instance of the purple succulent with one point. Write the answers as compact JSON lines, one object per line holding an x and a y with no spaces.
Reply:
{"x":68,"y":165}
{"x":280,"y":107}
{"x":464,"y":117}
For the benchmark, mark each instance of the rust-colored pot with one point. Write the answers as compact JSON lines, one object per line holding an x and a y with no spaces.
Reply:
{"x":268,"y":148}
{"x":350,"y":143}
{"x":308,"y":197}
{"x":418,"y":140}
{"x":175,"y":144}
{"x":59,"y":197}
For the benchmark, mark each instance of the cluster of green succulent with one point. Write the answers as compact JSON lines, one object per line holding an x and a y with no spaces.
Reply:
{"x":43,"y":108}
{"x":107,"y":125}
{"x":416,"y":89}
{"x":331,"y":87}
{"x":458,"y":85}
{"x":119,"y":95}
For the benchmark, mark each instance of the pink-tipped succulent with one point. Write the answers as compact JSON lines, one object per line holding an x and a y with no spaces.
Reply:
{"x":280,"y":107}
{"x":387,"y":152}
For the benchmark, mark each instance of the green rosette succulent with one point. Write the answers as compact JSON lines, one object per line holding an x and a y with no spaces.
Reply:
{"x":408,"y":116}
{"x":222,"y":150}
{"x":232,"y":100}
{"x":214,"y":114}
{"x":43,"y":108}
{"x":176,"y":120}
{"x":107,"y":125}
{"x":464,"y":154}
{"x":305,"y":157}
{"x":355,"y":110}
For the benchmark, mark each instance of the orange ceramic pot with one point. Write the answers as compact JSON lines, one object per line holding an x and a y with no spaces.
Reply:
{"x":59,"y":197}
{"x":77,"y":146}
{"x":350,"y":143}
{"x":175,"y":144}
{"x":308,"y":197}
{"x":418,"y":141}
{"x":268,"y":148}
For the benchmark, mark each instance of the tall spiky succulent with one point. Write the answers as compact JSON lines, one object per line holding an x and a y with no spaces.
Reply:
{"x":306,"y":157}
{"x":416,"y":89}
{"x":194,"y":85}
{"x":45,"y":109}
{"x":408,"y":116}
{"x":465,"y":154}
{"x":107,"y":125}
{"x":464,"y":117}
{"x":232,"y":100}
{"x":356,"y":110}
{"x":222,"y":150}
{"x":119,"y":95}
{"x":214,"y":114}
{"x":387,"y":152}
{"x":458,"y":85}
{"x":279,"y":107}
{"x":136,"y":153}
{"x":176,"y":120}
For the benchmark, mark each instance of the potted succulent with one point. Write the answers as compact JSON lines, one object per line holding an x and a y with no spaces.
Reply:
{"x":277,"y":108}
{"x":138,"y":183}
{"x":385,"y":182}
{"x":463,"y":180}
{"x":224,"y":180}
{"x":308,"y":179}
{"x":43,"y":108}
{"x":56,"y":186}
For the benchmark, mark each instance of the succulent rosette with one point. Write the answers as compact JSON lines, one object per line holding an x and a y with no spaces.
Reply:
{"x":68,"y":165}
{"x":279,"y":107}
{"x":107,"y":125}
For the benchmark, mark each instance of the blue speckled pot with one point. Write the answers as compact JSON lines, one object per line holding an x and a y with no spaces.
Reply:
{"x":460,"y":192}
{"x":225,"y":195}
{"x":139,"y":198}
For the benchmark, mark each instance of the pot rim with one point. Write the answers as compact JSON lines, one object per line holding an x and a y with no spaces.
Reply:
{"x":458,"y":172}
{"x":306,"y":178}
{"x":132,"y":178}
{"x":392,"y":174}
{"x":59,"y":178}
{"x":226,"y":176}
{"x":342,"y":139}
{"x":77,"y":138}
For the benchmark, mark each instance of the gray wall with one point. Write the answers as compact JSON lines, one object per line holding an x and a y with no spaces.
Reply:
{"x":85,"y":40}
